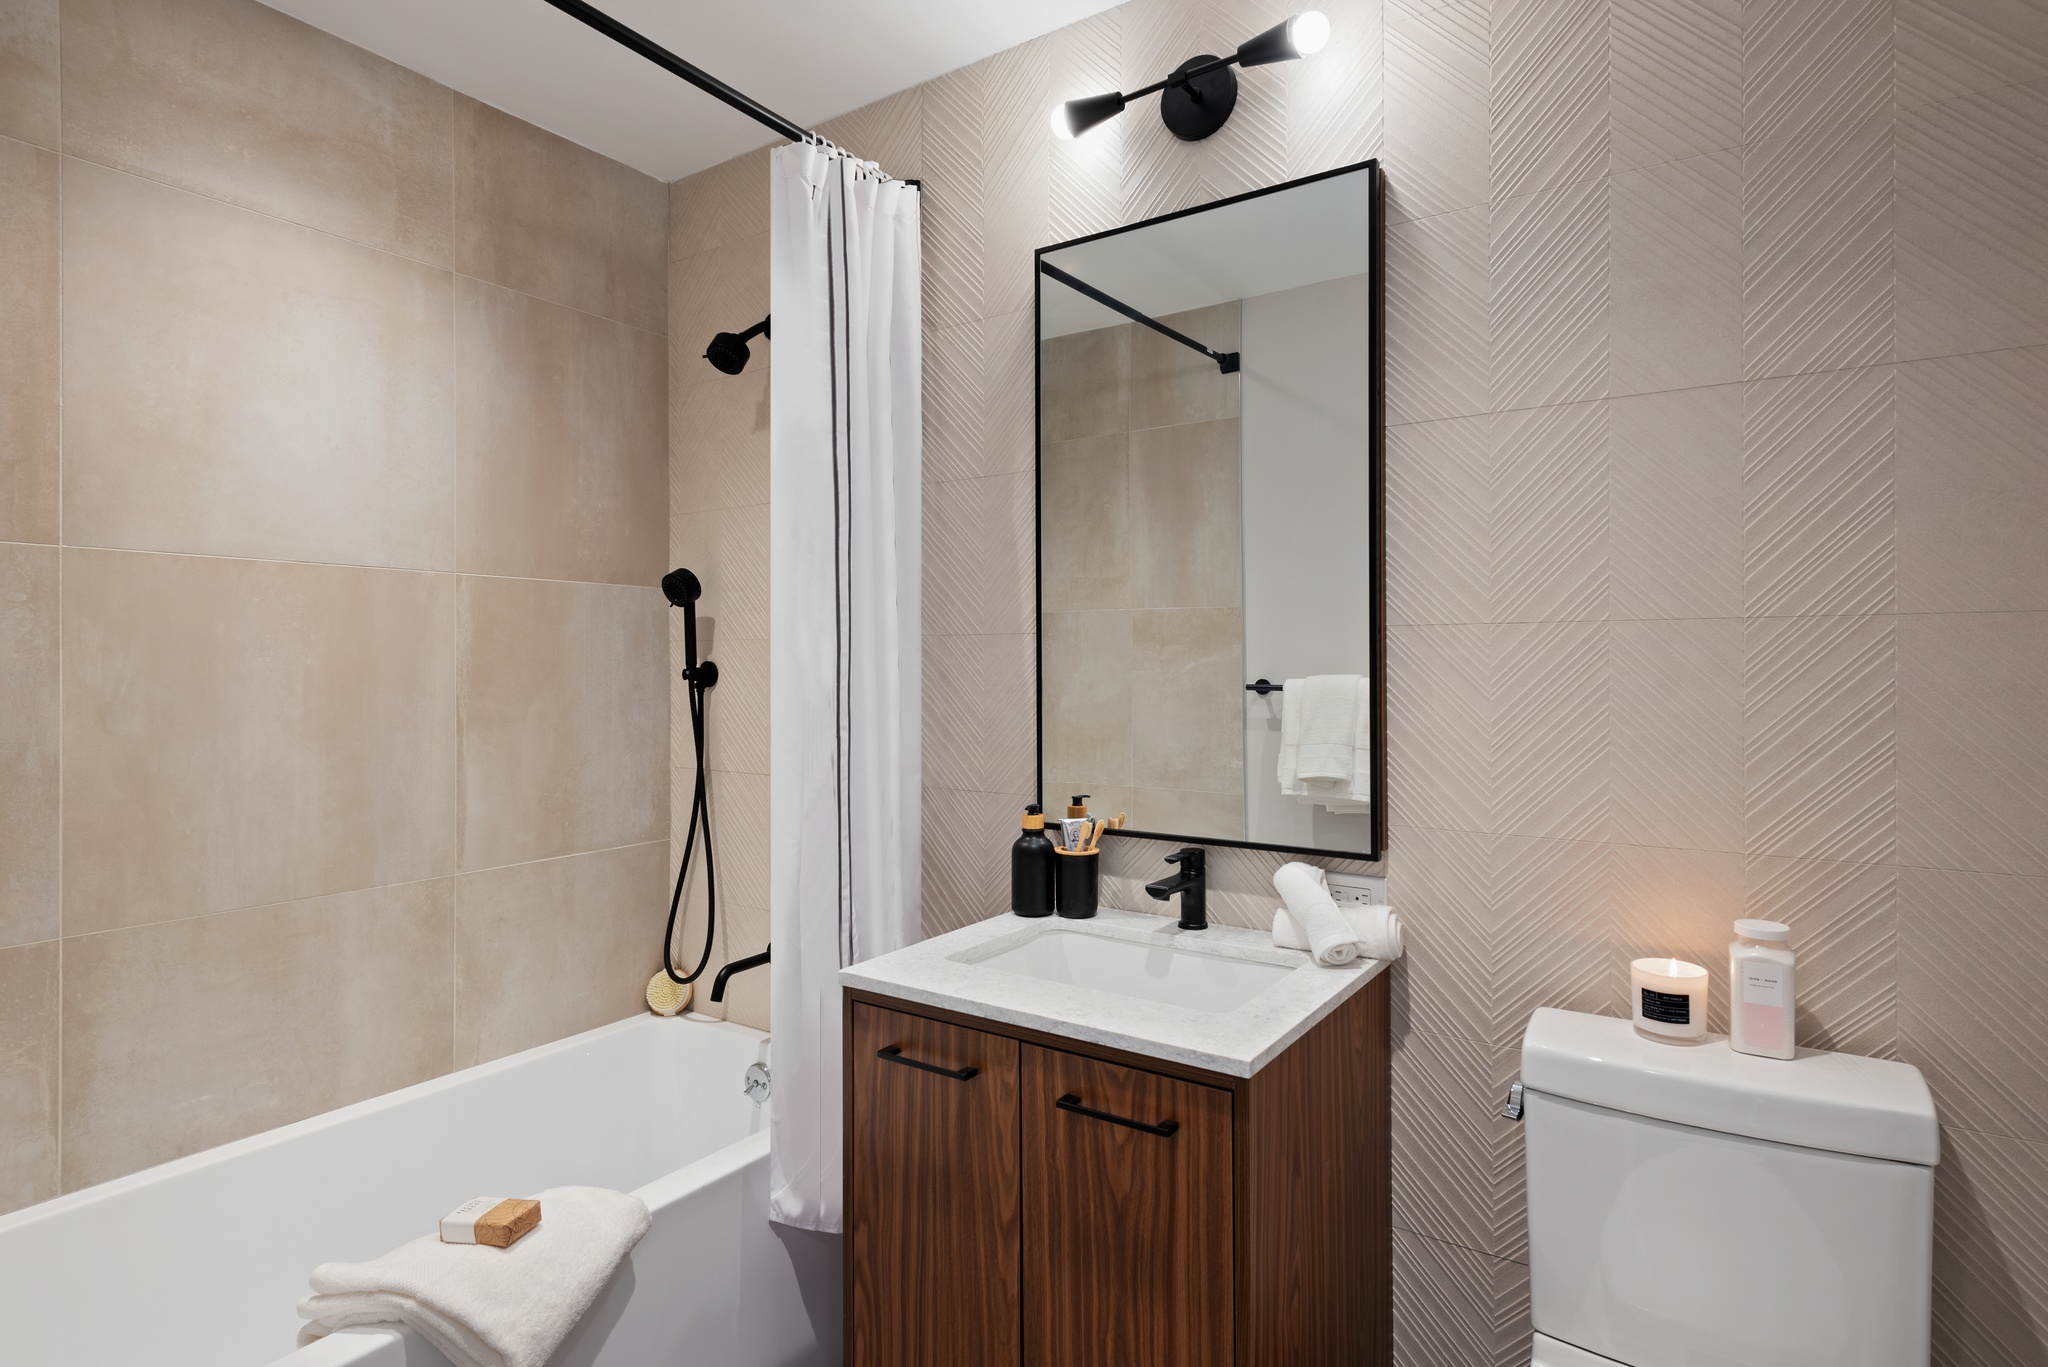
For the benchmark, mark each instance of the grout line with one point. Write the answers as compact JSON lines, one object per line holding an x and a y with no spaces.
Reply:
{"x":350,"y":565}
{"x":453,"y":876}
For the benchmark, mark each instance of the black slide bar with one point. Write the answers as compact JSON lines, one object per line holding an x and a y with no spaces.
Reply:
{"x":1226,"y":361}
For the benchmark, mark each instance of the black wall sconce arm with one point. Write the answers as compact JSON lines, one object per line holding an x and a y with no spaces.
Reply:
{"x":1226,"y":361}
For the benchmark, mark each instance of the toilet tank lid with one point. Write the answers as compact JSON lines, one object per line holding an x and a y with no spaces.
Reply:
{"x":1842,"y":1103}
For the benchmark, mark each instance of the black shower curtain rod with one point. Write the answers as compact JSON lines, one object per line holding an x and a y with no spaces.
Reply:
{"x":695,"y":75}
{"x":1226,"y":361}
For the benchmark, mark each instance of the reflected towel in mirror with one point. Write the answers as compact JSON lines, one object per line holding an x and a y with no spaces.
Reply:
{"x":1326,"y":742}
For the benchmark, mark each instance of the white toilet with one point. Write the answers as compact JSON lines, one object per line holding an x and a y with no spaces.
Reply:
{"x":1690,"y":1206}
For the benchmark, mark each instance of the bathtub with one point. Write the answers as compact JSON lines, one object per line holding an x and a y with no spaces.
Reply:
{"x":200,"y":1262}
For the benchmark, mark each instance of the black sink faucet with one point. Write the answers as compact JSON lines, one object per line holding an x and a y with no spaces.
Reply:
{"x":1190,"y":884}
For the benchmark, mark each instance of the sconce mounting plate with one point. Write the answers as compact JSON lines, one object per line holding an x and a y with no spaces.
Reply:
{"x":1193,"y":109}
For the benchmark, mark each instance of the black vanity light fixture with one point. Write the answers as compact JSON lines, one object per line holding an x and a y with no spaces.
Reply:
{"x":1197,"y":98}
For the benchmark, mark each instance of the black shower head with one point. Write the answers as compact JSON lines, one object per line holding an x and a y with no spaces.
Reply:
{"x":682,"y":587}
{"x":728,"y":350}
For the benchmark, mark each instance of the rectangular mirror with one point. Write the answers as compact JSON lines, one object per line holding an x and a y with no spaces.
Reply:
{"x":1210,"y":577}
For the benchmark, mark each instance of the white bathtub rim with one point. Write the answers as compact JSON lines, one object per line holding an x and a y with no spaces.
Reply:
{"x":86,"y":1197}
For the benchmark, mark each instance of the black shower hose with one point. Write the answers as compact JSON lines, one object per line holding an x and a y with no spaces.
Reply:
{"x":700,"y":815}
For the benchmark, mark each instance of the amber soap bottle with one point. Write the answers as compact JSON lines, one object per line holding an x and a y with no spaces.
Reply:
{"x":1031,"y":871}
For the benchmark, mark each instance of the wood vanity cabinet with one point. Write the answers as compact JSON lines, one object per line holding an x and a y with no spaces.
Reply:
{"x":1017,"y":1199}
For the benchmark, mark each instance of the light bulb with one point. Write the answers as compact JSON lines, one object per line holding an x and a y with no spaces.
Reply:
{"x":1309,"y":30}
{"x":1060,"y":127}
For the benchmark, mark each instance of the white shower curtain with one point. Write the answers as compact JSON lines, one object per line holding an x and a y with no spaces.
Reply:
{"x":844,"y":766}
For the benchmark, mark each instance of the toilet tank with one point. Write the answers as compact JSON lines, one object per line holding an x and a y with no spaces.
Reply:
{"x":1690,"y":1206}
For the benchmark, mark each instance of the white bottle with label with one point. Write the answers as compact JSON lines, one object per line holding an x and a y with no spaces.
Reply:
{"x":1760,"y":990}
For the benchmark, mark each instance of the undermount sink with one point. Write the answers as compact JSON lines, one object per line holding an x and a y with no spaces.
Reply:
{"x":1175,"y":976}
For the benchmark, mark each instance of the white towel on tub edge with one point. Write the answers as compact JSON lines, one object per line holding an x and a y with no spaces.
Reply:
{"x":484,"y":1306}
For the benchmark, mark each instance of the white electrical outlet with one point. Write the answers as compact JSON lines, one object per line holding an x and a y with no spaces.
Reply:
{"x":1357,"y":889}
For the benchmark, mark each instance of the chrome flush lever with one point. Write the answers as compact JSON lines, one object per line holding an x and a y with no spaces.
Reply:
{"x":1513,"y":1109}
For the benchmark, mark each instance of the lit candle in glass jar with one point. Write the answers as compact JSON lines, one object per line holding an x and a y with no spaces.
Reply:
{"x":1669,"y":998}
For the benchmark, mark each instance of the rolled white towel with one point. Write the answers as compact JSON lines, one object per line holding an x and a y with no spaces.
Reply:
{"x":483,"y":1306}
{"x":1378,"y":930}
{"x":1307,"y":895}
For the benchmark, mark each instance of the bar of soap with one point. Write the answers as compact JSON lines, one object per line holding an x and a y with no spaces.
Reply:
{"x":494,"y":1220}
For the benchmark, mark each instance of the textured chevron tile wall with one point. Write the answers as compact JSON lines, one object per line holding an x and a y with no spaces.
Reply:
{"x":1717,"y":480}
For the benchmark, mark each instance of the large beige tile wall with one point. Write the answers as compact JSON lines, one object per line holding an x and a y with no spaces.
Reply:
{"x":1718,"y":379}
{"x":333,"y":698}
{"x":1141,"y":488}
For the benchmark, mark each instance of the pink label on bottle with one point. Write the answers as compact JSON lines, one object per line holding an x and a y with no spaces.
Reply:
{"x":1763,"y":1027}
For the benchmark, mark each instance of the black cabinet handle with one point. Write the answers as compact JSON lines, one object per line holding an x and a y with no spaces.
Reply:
{"x":894,"y":1054}
{"x":1164,"y":1129}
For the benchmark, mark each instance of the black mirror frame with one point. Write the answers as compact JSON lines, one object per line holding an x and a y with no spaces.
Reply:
{"x":1377,"y":549}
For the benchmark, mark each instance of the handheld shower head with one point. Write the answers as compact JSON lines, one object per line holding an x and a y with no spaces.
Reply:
{"x":682,"y":588}
{"x":728,"y":350}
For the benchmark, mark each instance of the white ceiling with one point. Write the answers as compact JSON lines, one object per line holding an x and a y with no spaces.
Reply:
{"x":807,"y":60}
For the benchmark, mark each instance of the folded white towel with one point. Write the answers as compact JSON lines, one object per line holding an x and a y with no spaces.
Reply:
{"x":1328,"y":935}
{"x":483,"y":1306}
{"x":1378,"y":931}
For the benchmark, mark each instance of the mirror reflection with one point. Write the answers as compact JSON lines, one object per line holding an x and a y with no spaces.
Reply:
{"x":1209,"y":569}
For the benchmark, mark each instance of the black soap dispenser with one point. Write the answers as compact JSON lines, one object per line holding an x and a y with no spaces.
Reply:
{"x":1031,"y":871}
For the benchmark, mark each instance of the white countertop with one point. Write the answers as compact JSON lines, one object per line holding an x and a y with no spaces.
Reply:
{"x":946,"y":972}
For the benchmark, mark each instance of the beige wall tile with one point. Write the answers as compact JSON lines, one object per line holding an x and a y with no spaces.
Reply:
{"x":563,"y":446}
{"x":1085,"y":522}
{"x":1674,"y":503}
{"x":721,"y":205}
{"x":1438,"y":504}
{"x":1186,"y":814}
{"x":1087,"y":697}
{"x":1677,"y":733}
{"x":1969,"y":944}
{"x":746,"y":996}
{"x":187,"y":1034}
{"x":1972,"y":194}
{"x":718,"y":433}
{"x":245,"y":104}
{"x":28,"y":71}
{"x":1084,"y":384}
{"x":538,"y":214}
{"x":1457,"y":1162}
{"x":28,"y":1074}
{"x":564,"y":718}
{"x":1820,"y":737}
{"x":239,"y":386}
{"x":1676,"y":291}
{"x":28,"y":342}
{"x":978,"y":555}
{"x":238,"y":733}
{"x":1172,"y":384}
{"x":548,"y":949}
{"x":1436,"y":87}
{"x":979,"y":721}
{"x":1972,"y":483}
{"x":1990,"y":1258}
{"x":1187,"y":516}
{"x":1455,"y":1305}
{"x":1187,"y":700}
{"x":29,"y":795}
{"x":1972,"y":751}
